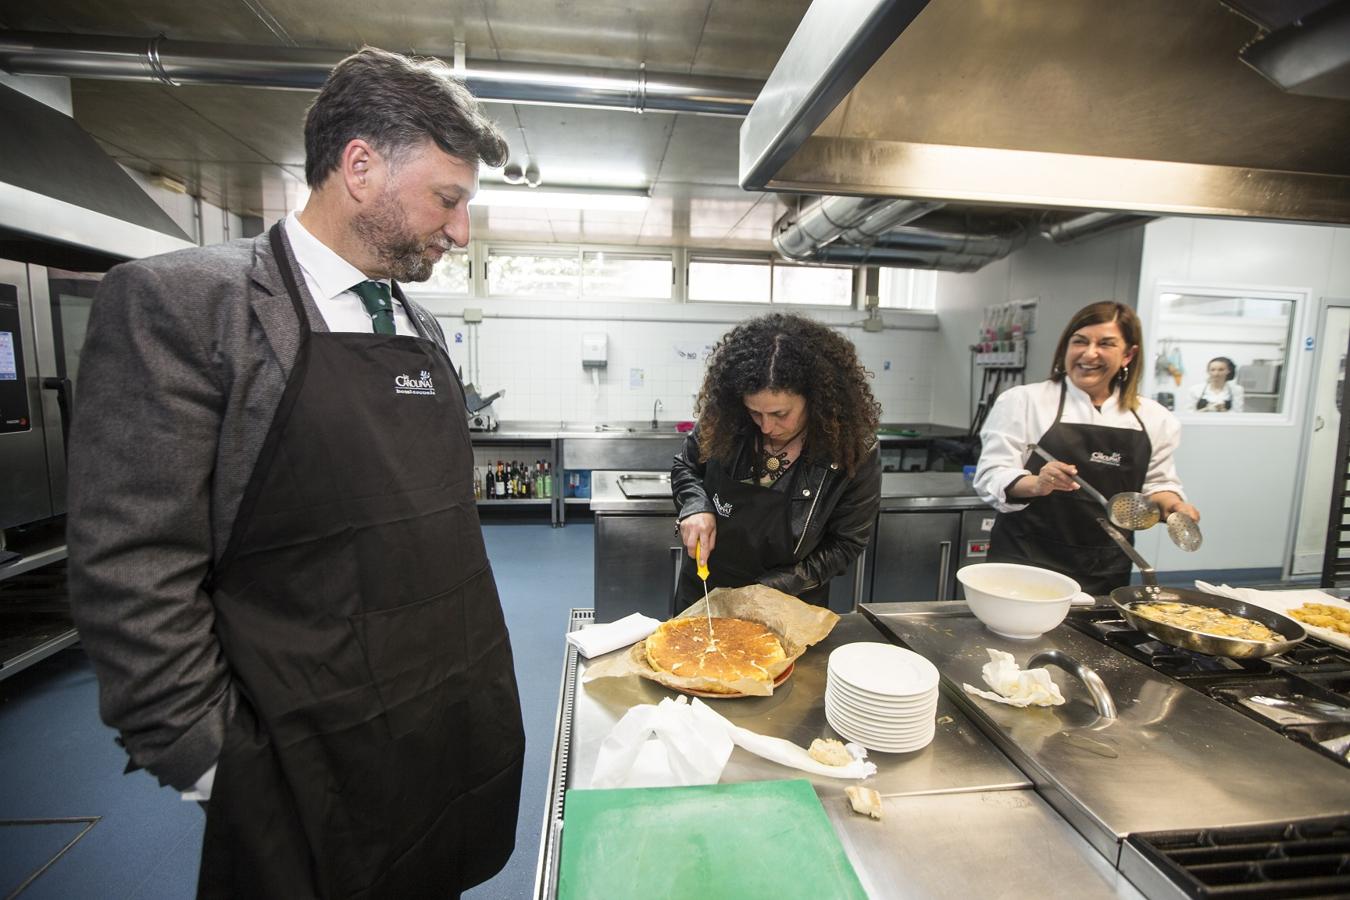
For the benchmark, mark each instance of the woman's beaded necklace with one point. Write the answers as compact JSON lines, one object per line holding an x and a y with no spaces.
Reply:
{"x":773,"y":463}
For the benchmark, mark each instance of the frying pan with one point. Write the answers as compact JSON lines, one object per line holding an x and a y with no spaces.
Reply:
{"x":1126,"y":598}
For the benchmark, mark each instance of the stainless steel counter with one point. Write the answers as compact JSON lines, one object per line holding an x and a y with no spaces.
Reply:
{"x":1173,"y":759}
{"x":555,"y":428}
{"x":608,"y":497}
{"x":959,"y":819}
{"x":927,"y":491}
{"x":899,"y":490}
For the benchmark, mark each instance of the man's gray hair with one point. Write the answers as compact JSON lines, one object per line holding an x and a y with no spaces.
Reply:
{"x":396,"y":102}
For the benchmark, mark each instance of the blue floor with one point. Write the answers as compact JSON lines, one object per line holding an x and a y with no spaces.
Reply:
{"x":61,"y":773}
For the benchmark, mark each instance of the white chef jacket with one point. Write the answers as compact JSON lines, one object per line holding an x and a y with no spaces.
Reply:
{"x":1231,"y":393}
{"x":1022,"y":414}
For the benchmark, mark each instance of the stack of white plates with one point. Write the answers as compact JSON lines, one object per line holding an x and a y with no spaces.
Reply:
{"x":882,"y":696}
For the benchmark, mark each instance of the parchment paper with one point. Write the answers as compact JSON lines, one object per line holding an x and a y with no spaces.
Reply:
{"x":798,"y":625}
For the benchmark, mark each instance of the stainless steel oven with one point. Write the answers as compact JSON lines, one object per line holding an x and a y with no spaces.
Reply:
{"x":43,"y":316}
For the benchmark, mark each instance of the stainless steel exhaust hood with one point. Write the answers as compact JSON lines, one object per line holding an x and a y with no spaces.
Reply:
{"x":64,"y":202}
{"x":1140,"y":107}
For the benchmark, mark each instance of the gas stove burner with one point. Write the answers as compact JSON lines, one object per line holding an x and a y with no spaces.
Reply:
{"x":1303,"y":694}
{"x":1169,"y":659}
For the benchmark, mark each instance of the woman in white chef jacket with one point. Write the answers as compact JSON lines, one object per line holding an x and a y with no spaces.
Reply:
{"x":1219,"y":392}
{"x":1090,"y":417}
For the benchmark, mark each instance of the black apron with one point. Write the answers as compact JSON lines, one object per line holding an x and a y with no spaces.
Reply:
{"x":1060,"y":531}
{"x":377,"y":747}
{"x":754,"y":535}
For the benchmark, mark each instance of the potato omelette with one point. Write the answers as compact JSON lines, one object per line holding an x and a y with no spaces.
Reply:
{"x":1205,"y":619}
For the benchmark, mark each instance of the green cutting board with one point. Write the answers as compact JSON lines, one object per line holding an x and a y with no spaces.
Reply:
{"x":757,"y":839}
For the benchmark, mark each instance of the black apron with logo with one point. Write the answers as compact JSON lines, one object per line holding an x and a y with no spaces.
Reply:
{"x":754,"y":535}
{"x":1060,"y":531}
{"x":377,"y":747}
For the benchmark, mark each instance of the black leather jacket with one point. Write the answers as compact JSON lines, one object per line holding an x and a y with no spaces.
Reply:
{"x":832,"y":514}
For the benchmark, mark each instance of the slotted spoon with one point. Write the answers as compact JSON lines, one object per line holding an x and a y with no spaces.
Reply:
{"x":1128,"y":509}
{"x":1184,"y":532}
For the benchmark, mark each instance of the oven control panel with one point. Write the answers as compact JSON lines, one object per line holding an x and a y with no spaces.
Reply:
{"x":14,"y":411}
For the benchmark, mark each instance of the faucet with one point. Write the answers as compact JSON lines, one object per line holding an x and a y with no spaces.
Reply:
{"x":655,"y":406}
{"x":1101,"y":695}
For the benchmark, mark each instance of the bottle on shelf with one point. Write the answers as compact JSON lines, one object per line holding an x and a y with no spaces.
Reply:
{"x":500,"y":483}
{"x":477,"y":484}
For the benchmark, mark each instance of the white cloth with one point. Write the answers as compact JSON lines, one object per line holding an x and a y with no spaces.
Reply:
{"x":678,"y":743}
{"x":594,"y":640}
{"x":1022,"y":414}
{"x":202,"y":789}
{"x":329,"y":278}
{"x":1231,"y":393}
{"x":1014,"y":686}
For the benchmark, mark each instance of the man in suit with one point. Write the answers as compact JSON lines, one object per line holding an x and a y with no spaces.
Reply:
{"x":276,"y":561}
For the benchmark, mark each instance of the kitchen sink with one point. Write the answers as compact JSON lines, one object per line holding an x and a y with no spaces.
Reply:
{"x":640,"y":486}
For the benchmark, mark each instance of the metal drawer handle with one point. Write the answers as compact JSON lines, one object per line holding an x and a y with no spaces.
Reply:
{"x":944,"y":569}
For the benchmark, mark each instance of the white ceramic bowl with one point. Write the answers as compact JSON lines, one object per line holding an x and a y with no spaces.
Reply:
{"x":1020,"y":602}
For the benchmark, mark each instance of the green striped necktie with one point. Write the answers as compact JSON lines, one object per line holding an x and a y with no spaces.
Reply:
{"x":375,"y":296}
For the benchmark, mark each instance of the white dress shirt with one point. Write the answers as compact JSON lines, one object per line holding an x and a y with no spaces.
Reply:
{"x":1022,"y":414}
{"x":329,"y":278}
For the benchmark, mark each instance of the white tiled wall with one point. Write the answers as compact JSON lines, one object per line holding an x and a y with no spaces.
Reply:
{"x":533,"y":350}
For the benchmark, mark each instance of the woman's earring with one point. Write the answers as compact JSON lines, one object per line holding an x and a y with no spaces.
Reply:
{"x":1124,"y":374}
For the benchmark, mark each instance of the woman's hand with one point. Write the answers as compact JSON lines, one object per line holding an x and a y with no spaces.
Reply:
{"x":1054,"y":476}
{"x":1170,"y":502}
{"x":700,"y":527}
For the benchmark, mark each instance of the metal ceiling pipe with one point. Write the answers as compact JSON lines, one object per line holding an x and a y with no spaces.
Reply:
{"x":902,"y":259}
{"x":1091,"y":225}
{"x":800,"y":235}
{"x":911,"y":238}
{"x":165,"y":61}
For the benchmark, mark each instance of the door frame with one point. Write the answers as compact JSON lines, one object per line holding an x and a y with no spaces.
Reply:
{"x":1324,"y":305}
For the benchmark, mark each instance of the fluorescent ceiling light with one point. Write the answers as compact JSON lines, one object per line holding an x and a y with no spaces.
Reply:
{"x":542,"y":198}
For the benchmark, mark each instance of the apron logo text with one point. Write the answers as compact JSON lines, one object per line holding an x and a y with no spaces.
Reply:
{"x":723,"y":509}
{"x":421,"y":385}
{"x":1106,"y":459}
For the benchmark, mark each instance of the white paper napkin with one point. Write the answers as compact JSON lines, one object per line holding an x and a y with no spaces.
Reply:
{"x":1015,"y":687}
{"x":1222,"y":590}
{"x":594,"y":640}
{"x":678,"y":743}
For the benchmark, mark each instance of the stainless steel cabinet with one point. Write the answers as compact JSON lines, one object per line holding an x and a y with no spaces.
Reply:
{"x":915,"y":554}
{"x":636,"y":561}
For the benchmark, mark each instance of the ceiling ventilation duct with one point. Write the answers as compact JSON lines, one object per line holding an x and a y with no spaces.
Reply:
{"x":1091,"y":225}
{"x":800,"y":235}
{"x":1141,"y":108}
{"x":175,"y":63}
{"x":869,"y":231}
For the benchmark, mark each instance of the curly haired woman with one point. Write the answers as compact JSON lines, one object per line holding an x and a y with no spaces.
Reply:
{"x":782,"y":476}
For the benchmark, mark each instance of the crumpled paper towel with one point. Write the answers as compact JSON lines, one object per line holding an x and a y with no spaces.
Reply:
{"x":593,"y":640}
{"x":1015,"y":687}
{"x":678,"y":743}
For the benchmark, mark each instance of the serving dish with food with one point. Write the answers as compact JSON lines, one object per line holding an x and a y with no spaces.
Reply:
{"x":745,"y":648}
{"x":1322,"y":615}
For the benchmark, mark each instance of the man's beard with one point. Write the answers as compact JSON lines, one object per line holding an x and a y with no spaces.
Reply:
{"x":401,"y":254}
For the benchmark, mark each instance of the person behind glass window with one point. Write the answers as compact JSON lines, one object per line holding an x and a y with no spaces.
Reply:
{"x":1218,"y":392}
